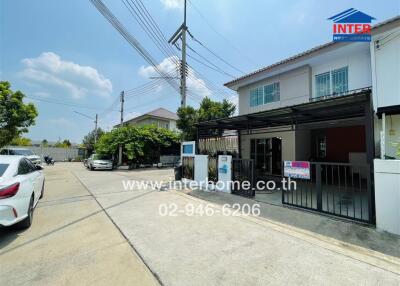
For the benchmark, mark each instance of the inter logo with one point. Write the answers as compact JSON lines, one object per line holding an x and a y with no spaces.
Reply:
{"x":351,"y":26}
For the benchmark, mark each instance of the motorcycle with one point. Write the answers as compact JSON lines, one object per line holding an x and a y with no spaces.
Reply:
{"x":48,"y":160}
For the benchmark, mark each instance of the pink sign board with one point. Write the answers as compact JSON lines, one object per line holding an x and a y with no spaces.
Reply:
{"x":297,"y":169}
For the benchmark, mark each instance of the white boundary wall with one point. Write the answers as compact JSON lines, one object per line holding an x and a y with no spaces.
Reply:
{"x":58,"y":154}
{"x":387,"y":195}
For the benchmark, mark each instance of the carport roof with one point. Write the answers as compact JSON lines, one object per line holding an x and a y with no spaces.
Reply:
{"x":350,"y":105}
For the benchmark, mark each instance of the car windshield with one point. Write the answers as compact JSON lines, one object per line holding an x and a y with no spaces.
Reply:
{"x":101,"y":157}
{"x":23,"y":152}
{"x":3,"y":168}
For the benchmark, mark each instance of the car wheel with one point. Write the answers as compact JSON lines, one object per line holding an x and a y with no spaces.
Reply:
{"x":42,"y":192}
{"x":91,"y":168}
{"x":27,"y":222}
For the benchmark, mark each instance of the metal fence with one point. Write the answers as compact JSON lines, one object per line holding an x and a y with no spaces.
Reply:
{"x":339,"y":189}
{"x":188,"y":168}
{"x":243,"y":170}
{"x":213,"y":169}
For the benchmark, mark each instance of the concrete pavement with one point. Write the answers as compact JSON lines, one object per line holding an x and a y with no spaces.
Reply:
{"x":227,"y":250}
{"x":71,"y":242}
{"x":74,"y":241}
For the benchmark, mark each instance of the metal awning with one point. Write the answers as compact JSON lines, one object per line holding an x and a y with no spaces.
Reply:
{"x":353,"y":104}
{"x":388,"y":110}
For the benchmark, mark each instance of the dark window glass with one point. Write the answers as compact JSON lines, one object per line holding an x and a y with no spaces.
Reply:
{"x":24,"y":167}
{"x":3,"y":168}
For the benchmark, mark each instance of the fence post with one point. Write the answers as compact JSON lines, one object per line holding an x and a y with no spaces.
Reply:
{"x":318,"y":185}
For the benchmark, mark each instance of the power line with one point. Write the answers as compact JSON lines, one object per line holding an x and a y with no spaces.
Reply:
{"x":149,"y":29}
{"x":213,"y":66}
{"x":130,"y":39}
{"x":63,"y":103}
{"x":238,"y":51}
{"x":218,"y":57}
{"x":157,"y":28}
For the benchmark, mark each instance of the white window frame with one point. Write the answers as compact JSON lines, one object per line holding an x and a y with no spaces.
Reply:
{"x":330,"y":73}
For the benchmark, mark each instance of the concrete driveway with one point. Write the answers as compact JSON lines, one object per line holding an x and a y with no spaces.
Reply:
{"x":71,"y":242}
{"x":123,"y":238}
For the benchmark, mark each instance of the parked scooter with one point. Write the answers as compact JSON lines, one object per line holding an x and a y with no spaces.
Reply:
{"x":49,"y":160}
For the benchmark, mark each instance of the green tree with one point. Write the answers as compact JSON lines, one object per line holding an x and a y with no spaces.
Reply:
{"x":15,"y":116}
{"x":88,"y":140}
{"x":66,"y":143}
{"x":187,"y":118}
{"x":45,"y":143}
{"x":208,"y":110}
{"x":140,"y":144}
{"x":21,"y":141}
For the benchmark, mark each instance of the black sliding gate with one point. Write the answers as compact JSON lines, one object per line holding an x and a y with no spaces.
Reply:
{"x":338,"y":189}
{"x":243,"y":171}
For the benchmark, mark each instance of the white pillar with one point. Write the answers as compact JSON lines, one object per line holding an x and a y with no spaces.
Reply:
{"x":383,"y":137}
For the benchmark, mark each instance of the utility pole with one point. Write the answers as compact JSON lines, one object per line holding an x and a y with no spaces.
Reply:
{"x":181,"y":34}
{"x":122,"y":99}
{"x":95,"y":128}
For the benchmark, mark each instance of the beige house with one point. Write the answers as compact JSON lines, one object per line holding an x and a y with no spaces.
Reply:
{"x":159,"y":117}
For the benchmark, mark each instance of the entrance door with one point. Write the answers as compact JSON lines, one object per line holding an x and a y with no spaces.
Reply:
{"x":267,"y":156}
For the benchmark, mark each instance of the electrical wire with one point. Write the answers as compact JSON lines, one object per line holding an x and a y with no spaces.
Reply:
{"x":238,"y":51}
{"x":63,"y":103}
{"x":213,"y":53}
{"x":131,"y":40}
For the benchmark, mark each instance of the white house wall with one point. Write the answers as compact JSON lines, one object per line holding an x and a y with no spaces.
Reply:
{"x":294,"y":89}
{"x":298,"y":85}
{"x":356,"y":58}
{"x":386,"y":68}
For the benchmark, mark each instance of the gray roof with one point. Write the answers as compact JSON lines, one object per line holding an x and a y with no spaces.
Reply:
{"x":161,"y":113}
{"x":164,"y":113}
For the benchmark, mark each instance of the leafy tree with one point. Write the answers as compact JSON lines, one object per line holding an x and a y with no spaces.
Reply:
{"x":66,"y":143}
{"x":15,"y":116}
{"x":88,"y":140}
{"x":21,"y":141}
{"x":140,"y":144}
{"x":188,"y":117}
{"x":208,"y":110}
{"x":45,"y":143}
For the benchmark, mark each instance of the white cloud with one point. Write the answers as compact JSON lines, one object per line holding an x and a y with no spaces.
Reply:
{"x":60,"y":76}
{"x":167,"y":65}
{"x":194,"y":84}
{"x":172,"y":4}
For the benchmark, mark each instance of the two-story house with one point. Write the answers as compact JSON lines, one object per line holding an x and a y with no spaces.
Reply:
{"x":159,"y":117}
{"x":318,"y":106}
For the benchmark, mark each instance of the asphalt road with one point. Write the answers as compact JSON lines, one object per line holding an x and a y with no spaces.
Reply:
{"x":89,"y":230}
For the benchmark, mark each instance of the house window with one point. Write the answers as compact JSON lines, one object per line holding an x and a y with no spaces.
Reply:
{"x":339,"y":80}
{"x":271,"y":93}
{"x":323,"y":84}
{"x":256,"y":96}
{"x":333,"y":82}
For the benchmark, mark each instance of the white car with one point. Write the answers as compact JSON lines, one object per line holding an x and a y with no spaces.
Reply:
{"x":99,"y":162}
{"x":21,"y":187}
{"x":35,"y":159}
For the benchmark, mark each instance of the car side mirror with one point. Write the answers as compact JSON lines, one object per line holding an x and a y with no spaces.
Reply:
{"x":39,"y":168}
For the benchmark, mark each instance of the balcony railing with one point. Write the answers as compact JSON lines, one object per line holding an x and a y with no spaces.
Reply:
{"x":349,"y":92}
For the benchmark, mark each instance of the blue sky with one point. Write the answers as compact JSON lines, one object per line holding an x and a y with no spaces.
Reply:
{"x":65,"y":51}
